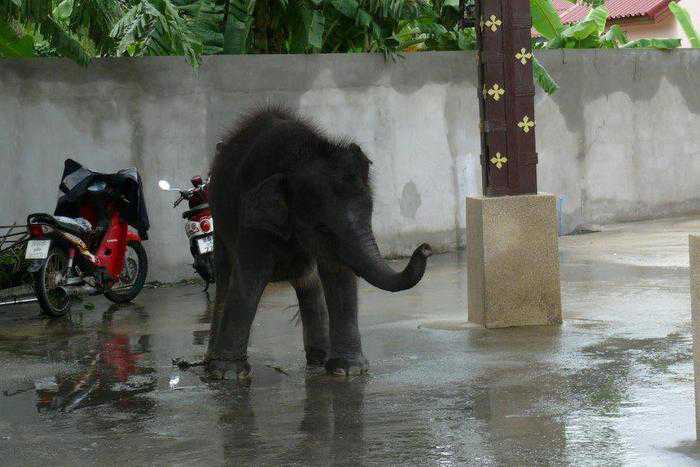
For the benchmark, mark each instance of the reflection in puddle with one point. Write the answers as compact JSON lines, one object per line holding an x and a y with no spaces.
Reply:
{"x":608,"y":388}
{"x":331,"y":429}
{"x":521,"y":423}
{"x":111,"y":375}
{"x":95,"y":368}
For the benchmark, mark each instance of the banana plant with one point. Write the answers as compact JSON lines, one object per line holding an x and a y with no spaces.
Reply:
{"x":686,"y":23}
{"x":589,"y":33}
{"x":25,"y":21}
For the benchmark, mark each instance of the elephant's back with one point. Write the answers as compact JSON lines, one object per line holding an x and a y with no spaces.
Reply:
{"x":237,"y":158}
{"x":265,"y":142}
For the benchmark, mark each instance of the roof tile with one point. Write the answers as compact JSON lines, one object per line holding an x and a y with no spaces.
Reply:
{"x":619,"y":9}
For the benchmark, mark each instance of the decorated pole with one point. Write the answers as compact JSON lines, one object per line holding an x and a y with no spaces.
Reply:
{"x":506,"y":100}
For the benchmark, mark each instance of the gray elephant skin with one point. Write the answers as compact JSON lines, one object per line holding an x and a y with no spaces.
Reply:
{"x":291,"y":204}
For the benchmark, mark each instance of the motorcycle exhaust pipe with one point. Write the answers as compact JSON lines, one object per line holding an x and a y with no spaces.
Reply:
{"x":78,"y":290}
{"x":18,"y":301}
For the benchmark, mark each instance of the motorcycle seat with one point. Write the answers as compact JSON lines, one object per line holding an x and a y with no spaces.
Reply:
{"x":194,"y":210}
{"x":74,"y":225}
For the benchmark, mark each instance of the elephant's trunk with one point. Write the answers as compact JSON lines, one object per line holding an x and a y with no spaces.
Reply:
{"x":363,"y":257}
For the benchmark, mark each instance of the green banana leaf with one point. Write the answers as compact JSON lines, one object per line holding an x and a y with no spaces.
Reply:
{"x":12,"y":46}
{"x":686,"y":23}
{"x":64,"y":10}
{"x":614,"y":37}
{"x":240,"y":20}
{"x":545,"y":18}
{"x":661,"y":44}
{"x":543,"y":78}
{"x":580,"y":30}
{"x":599,"y":15}
{"x":592,"y":25}
{"x":314,"y":24}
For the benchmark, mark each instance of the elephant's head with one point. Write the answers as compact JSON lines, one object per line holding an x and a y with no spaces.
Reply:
{"x":326,"y":204}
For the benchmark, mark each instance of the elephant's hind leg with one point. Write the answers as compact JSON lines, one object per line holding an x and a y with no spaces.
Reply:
{"x":314,"y":317}
{"x":223,"y":267}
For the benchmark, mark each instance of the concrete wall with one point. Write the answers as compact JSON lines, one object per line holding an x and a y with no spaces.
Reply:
{"x":616,"y":141}
{"x":619,"y":140}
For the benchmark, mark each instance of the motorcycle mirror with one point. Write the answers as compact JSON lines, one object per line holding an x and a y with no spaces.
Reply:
{"x":164,"y":185}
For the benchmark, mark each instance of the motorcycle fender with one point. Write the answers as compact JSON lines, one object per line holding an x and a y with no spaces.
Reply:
{"x":132,"y":236}
{"x":35,"y":265}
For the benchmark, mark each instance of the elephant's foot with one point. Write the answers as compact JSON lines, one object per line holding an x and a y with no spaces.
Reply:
{"x":347,"y":366}
{"x":316,"y":357}
{"x":228,"y":369}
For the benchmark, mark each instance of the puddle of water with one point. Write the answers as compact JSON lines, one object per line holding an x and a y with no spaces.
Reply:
{"x":609,"y":387}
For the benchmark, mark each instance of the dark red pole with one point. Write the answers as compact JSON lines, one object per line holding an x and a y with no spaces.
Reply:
{"x":506,"y":97}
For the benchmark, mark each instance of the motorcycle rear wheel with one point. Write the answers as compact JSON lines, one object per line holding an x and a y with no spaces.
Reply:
{"x":133,"y":277}
{"x":47,"y":280}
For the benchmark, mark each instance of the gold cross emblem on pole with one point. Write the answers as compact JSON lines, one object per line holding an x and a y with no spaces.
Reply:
{"x":493,"y":23}
{"x":523,"y":56}
{"x":526,"y":124}
{"x":496,"y":92}
{"x":499,"y":160}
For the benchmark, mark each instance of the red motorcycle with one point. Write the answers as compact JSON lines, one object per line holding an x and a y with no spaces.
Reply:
{"x":86,"y":246}
{"x":199,"y":225}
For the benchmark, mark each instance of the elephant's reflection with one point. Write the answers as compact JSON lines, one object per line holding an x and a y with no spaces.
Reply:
{"x":240,"y":427}
{"x":333,"y":420}
{"x":330,"y":431}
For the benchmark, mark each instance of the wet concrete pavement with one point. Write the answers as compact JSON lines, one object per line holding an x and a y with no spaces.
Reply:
{"x":613,"y":385}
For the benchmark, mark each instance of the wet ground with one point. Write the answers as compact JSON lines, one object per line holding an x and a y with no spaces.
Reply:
{"x":613,"y":385}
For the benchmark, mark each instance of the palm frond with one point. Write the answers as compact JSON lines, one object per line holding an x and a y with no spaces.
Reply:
{"x":204,"y":18}
{"x":155,"y":27}
{"x":96,"y":18}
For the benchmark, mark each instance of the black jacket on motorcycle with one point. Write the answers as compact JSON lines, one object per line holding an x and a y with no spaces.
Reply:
{"x":127,"y":182}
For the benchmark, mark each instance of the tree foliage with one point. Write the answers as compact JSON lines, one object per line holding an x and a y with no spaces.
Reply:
{"x":28,"y":21}
{"x":81,"y":29}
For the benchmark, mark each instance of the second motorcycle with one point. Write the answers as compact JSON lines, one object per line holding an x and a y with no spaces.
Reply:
{"x":199,"y":225}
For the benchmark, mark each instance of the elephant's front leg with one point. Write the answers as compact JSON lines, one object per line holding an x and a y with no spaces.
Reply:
{"x":314,"y":317}
{"x":340,"y":288}
{"x":228,"y":354}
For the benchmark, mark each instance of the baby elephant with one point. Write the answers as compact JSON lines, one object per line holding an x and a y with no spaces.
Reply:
{"x":290,"y":204}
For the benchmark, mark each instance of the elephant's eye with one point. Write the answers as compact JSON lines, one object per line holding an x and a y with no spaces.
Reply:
{"x":323,"y":229}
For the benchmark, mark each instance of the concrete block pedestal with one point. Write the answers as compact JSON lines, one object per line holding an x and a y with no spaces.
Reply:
{"x":513,"y":261}
{"x":694,"y":243}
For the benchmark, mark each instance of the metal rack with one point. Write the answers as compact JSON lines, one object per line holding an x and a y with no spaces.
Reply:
{"x":15,"y":284}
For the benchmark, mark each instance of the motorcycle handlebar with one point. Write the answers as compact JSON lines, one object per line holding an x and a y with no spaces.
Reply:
{"x":187,"y":194}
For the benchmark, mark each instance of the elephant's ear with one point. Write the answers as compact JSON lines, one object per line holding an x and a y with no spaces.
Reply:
{"x":265,"y":208}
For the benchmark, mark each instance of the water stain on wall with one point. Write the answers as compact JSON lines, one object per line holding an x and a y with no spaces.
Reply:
{"x":410,"y":200}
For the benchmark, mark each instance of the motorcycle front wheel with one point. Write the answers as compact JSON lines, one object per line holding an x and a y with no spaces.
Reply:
{"x":133,"y":276}
{"x":54,"y":300}
{"x":204,"y":265}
